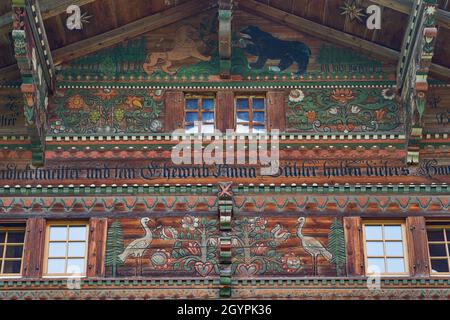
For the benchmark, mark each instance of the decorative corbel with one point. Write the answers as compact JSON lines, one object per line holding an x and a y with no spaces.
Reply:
{"x":225,"y":48}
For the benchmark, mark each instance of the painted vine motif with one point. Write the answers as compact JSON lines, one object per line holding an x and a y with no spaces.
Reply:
{"x":107,"y":111}
{"x":343,"y":110}
{"x":261,"y":246}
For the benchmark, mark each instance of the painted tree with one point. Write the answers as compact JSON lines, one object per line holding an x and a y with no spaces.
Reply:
{"x":114,"y":247}
{"x":336,"y":245}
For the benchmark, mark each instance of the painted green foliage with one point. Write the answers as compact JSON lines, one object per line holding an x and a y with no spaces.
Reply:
{"x":344,"y":110}
{"x":107,"y":111}
{"x":114,"y":247}
{"x":336,"y":246}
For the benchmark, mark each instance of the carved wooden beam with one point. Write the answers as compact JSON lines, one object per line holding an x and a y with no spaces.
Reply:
{"x":225,"y":16}
{"x":329,"y":34}
{"x":406,"y":6}
{"x":36,"y":69}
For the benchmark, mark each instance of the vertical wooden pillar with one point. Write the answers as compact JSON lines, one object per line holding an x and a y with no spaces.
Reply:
{"x":225,"y":115}
{"x":276,"y":115}
{"x":97,"y":247}
{"x":34,"y":248}
{"x":174,"y":112}
{"x":354,"y":246}
{"x":417,"y":245}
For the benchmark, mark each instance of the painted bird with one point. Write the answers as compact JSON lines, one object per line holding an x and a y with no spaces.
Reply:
{"x":312,"y":246}
{"x":137,"y":248}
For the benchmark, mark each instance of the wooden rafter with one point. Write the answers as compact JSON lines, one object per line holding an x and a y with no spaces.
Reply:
{"x":406,"y":6}
{"x":133,"y":29}
{"x":225,"y":16}
{"x":329,"y":34}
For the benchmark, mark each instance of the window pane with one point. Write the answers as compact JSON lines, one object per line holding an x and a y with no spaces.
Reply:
{"x":440,"y":265}
{"x":259,"y":117}
{"x":208,"y":104}
{"x":259,"y":129}
{"x":56,"y":266}
{"x":392,"y":232}
{"x":14,"y":252}
{"x":207,"y":116}
{"x":191,"y":116}
{"x":192,"y":104}
{"x":375,"y":249}
{"x":242,"y":128}
{"x":2,"y":236}
{"x":242,"y":103}
{"x":242,"y":116}
{"x":12,"y":267}
{"x":373,"y":233}
{"x":77,"y":249}
{"x":77,"y":233}
{"x":58,"y":233}
{"x":208,"y":128}
{"x":448,"y":234}
{"x":57,"y":249}
{"x":394,"y":249}
{"x":437,"y":250}
{"x":435,"y":235}
{"x":75,"y":266}
{"x":375,"y":265}
{"x":395,"y":265}
{"x":191,"y":129}
{"x":16,"y":237}
{"x":258,"y":103}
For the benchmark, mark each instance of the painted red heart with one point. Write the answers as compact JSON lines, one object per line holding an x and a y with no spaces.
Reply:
{"x":247,"y":269}
{"x":203,"y":268}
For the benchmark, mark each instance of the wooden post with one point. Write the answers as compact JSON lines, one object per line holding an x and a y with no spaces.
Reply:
{"x":34,"y":248}
{"x":276,"y":115}
{"x":354,"y":246}
{"x":417,"y":245}
{"x":225,"y":115}
{"x":174,"y":113}
{"x":97,"y":247}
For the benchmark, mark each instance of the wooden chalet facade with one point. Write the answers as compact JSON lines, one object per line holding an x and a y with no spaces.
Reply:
{"x":92,"y":205}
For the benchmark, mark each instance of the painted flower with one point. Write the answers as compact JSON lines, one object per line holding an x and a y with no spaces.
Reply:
{"x":388,"y":94}
{"x":119,"y":114}
{"x":351,"y":126}
{"x":213,"y":241}
{"x":76,"y":102}
{"x":260,"y":249}
{"x":355,"y":109}
{"x":192,"y":247}
{"x":341,"y":127}
{"x":311,"y":116}
{"x":169,"y":233}
{"x":156,"y":95}
{"x":333,"y":111}
{"x":291,"y":263}
{"x":134,"y":102}
{"x":106,"y":94}
{"x":160,"y":259}
{"x":296,"y":95}
{"x":94,"y":117}
{"x":379,"y":114}
{"x":280,"y":233}
{"x":261,"y":223}
{"x":156,"y":126}
{"x":190,"y":222}
{"x":342,"y":95}
{"x":431,"y":10}
{"x":57,"y":127}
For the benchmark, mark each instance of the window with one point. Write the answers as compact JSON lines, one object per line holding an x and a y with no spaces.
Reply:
{"x":11,"y":249}
{"x":199,"y":114}
{"x":66,"y":249}
{"x":250,"y":114}
{"x":439,"y":246}
{"x":385,"y":248}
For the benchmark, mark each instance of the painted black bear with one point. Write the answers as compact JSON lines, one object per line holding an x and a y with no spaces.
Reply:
{"x":265,"y":46}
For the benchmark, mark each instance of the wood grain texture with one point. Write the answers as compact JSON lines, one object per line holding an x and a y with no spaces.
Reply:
{"x":276,"y":112}
{"x":174,"y":111}
{"x":417,"y":245}
{"x":96,"y":247}
{"x":34,"y":248}
{"x":225,"y":115}
{"x":354,"y":244}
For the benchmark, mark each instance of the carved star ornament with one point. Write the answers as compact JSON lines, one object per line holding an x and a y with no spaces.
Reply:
{"x":353,"y":10}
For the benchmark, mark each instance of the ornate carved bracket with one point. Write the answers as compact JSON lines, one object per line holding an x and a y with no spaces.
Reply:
{"x":225,"y":17}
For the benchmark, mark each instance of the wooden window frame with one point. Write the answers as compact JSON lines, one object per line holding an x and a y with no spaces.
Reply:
{"x":200,"y":110}
{"x":385,"y":257}
{"x":47,"y":245}
{"x":250,"y":111}
{"x":5,"y":244}
{"x":445,"y":225}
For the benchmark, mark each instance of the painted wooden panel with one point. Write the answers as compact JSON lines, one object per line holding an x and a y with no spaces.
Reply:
{"x":354,"y":244}
{"x":417,"y":242}
{"x":276,"y":110}
{"x":97,"y":246}
{"x":437,"y":112}
{"x":174,"y":113}
{"x":34,"y":248}
{"x":225,"y":114}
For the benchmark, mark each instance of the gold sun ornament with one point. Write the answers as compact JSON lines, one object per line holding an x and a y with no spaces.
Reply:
{"x":353,"y":10}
